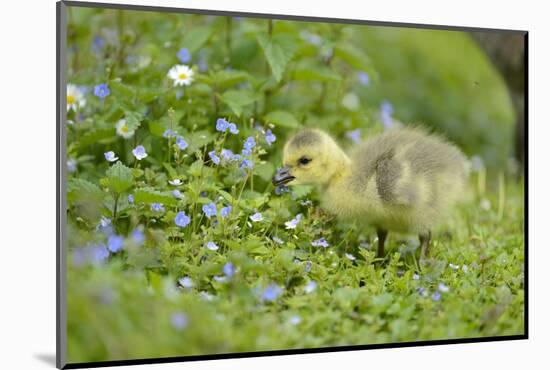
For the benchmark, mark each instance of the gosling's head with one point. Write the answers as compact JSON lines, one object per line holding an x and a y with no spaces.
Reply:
{"x":310,"y":157}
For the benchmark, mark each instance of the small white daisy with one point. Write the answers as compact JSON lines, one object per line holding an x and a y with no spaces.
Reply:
{"x":122,"y":129}
{"x":175,"y":182}
{"x":75,"y":97}
{"x":181,"y":74}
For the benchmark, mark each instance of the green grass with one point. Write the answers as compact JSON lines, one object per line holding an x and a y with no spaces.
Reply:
{"x":128,"y":303}
{"x":115,"y":310}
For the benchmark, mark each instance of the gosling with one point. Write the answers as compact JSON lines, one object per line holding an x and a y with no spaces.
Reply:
{"x":403,"y":180}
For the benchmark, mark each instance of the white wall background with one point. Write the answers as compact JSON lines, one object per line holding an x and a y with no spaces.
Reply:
{"x":27,"y":181}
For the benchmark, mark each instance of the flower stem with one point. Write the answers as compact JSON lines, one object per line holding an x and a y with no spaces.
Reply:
{"x":229,"y":21}
{"x":115,"y":208}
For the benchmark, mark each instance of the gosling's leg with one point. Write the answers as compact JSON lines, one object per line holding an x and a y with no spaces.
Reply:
{"x":425,"y":239}
{"x":382,"y":234}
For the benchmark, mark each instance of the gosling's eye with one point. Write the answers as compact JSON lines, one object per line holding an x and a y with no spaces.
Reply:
{"x":304,"y":160}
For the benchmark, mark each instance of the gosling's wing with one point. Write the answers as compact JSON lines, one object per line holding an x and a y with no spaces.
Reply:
{"x":392,"y":184}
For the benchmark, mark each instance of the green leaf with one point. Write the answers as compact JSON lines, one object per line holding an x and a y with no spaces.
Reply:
{"x":228,"y":198}
{"x":278,"y":50}
{"x":120,"y":89}
{"x":149,"y":195}
{"x":314,"y":72}
{"x":301,"y":191}
{"x":198,"y":139}
{"x":94,"y":136}
{"x":238,"y":99}
{"x":225,"y":79}
{"x":282,"y":119}
{"x":133,"y":119}
{"x":80,"y":189}
{"x":120,"y":177}
{"x":355,"y":57}
{"x":265,"y":170}
{"x":196,"y":37}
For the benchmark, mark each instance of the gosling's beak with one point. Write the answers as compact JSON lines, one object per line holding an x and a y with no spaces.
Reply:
{"x":282,"y":176}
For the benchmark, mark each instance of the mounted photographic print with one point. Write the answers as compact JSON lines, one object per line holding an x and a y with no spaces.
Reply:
{"x":235,"y":185}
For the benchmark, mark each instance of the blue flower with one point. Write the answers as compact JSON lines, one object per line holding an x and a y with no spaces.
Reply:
{"x":139,"y":152}
{"x":294,"y":222}
{"x":271,"y":293}
{"x":386,"y":107}
{"x":101,"y":91}
{"x":295,"y":320}
{"x":169,"y":133}
{"x":175,"y":182}
{"x":363,"y":78}
{"x":443,"y":288}
{"x":308,"y":266}
{"x":280,"y":189}
{"x":99,"y":254}
{"x":184,"y":55}
{"x":130,"y":198}
{"x":220,"y":279}
{"x":115,"y":243}
{"x":186,"y":282}
{"x":214,"y":157}
{"x":310,"y":287}
{"x":227,"y":154}
{"x":320,"y":243}
{"x":222,"y":125}
{"x":181,"y":143}
{"x":182,"y":219}
{"x":229,"y":269}
{"x":350,"y":256}
{"x":233,"y":128}
{"x":212,"y":246}
{"x":246,"y":163}
{"x":354,"y":135}
{"x":257,"y":217}
{"x":138,"y":236}
{"x":203,"y":65}
{"x":98,"y":44}
{"x":104,"y":223}
{"x":278,"y":240}
{"x":96,"y":254}
{"x":110,"y":156}
{"x":209,"y":209}
{"x":246,"y":152}
{"x":71,"y":165}
{"x":416,"y":277}
{"x":249,"y":143}
{"x":436,"y":296}
{"x":386,"y":111}
{"x":270,"y":137}
{"x":157,"y":207}
{"x":225,"y":211}
{"x":179,"y":321}
{"x":177,"y":194}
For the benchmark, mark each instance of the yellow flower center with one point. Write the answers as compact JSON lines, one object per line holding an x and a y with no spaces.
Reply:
{"x":70,"y":99}
{"x":124,"y":129}
{"x":182,"y":76}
